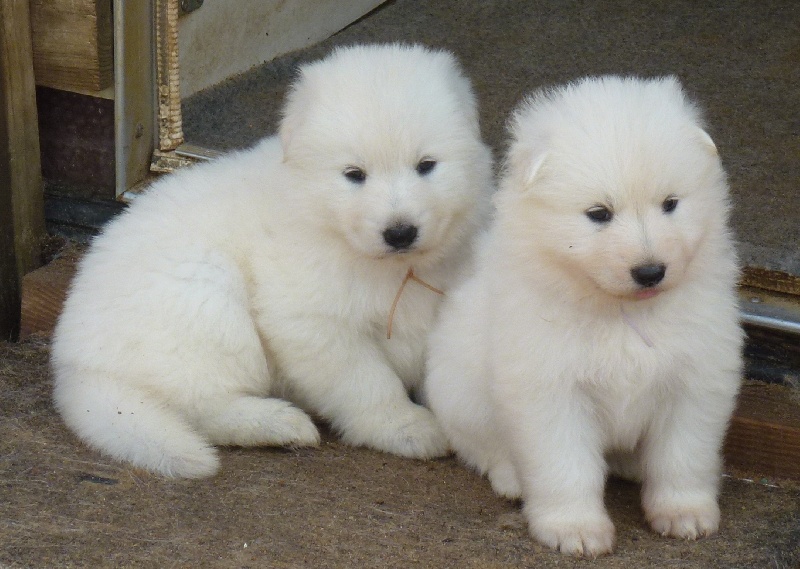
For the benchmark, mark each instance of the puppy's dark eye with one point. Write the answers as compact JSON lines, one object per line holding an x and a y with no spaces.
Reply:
{"x":599,"y":214}
{"x":355,"y":175}
{"x":425,"y":166}
{"x":669,"y":204}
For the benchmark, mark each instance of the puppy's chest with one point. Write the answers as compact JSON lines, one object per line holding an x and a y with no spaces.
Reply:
{"x":624,"y":410}
{"x":628,"y":382}
{"x":366,"y":300}
{"x":400,"y":325}
{"x":626,"y":350}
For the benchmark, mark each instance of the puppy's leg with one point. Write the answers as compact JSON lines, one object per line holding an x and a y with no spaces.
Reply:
{"x":209,"y":362}
{"x":221,"y":354}
{"x":465,"y":414}
{"x":457,"y":392}
{"x":344,"y":377}
{"x":558,"y":454}
{"x":682,"y":464}
{"x":255,"y":421}
{"x":504,"y":479}
{"x":469,"y":422}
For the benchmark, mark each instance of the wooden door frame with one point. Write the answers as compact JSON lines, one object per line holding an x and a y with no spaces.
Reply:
{"x":21,"y":191}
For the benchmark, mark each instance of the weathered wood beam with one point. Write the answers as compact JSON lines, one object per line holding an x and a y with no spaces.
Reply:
{"x":21,"y":199}
{"x":764,"y":436}
{"x":72,"y":44}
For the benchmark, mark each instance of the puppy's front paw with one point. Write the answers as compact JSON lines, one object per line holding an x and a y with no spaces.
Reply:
{"x":414,"y":433}
{"x":581,"y":536}
{"x":295,"y":428}
{"x":685,"y":522}
{"x":419,"y":436}
{"x":504,"y":480}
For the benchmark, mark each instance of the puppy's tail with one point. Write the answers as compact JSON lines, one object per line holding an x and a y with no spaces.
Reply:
{"x":128,"y":425}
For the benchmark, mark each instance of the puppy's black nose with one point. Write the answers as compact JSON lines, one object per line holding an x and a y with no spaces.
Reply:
{"x":400,"y":236}
{"x":649,"y":275}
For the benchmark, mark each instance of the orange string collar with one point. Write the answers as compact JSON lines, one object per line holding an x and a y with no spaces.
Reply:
{"x":410,"y":276}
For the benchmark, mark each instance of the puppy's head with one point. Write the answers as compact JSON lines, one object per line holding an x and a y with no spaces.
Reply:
{"x":614,"y":182}
{"x":386,"y":141}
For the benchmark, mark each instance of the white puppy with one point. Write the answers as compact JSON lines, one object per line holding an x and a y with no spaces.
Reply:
{"x":601,"y":325}
{"x":272,"y":272}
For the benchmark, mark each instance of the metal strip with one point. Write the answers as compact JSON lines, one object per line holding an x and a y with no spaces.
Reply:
{"x":200,"y":153}
{"x":766,"y":311}
{"x":134,"y":91}
{"x":772,"y":323}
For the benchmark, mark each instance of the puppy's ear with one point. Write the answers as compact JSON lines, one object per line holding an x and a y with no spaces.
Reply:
{"x":290,"y":124}
{"x":534,"y":169}
{"x":530,"y":142}
{"x":299,"y":99}
{"x":524,"y":166}
{"x":706,"y":140}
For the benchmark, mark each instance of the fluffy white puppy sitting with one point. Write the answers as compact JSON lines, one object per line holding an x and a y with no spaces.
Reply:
{"x":273,"y":272}
{"x":601,"y":325}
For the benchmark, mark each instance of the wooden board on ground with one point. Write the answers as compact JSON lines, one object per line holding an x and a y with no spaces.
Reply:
{"x":43,"y":294}
{"x":764,"y":436}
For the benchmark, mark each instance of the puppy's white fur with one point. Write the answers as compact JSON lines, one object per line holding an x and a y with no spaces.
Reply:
{"x":551,"y":362}
{"x":266,"y":274}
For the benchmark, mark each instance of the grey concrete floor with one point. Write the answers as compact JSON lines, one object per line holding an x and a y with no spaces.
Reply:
{"x":740,"y":59}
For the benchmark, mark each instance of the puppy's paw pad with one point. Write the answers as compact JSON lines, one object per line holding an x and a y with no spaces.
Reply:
{"x":504,"y":480}
{"x":686,"y":523}
{"x":580,"y":538}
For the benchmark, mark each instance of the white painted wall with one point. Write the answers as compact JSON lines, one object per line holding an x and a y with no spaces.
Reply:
{"x":226,"y":37}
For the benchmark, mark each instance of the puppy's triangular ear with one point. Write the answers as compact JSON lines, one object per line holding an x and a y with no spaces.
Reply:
{"x":524,"y":166}
{"x":530,"y":138}
{"x":534,"y":169}
{"x":705,"y":138}
{"x":299,"y":99}
{"x":290,"y":124}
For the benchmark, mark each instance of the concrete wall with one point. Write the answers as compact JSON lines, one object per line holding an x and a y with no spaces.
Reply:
{"x":226,"y":37}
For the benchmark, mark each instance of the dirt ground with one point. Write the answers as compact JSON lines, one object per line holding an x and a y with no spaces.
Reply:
{"x":63,"y":505}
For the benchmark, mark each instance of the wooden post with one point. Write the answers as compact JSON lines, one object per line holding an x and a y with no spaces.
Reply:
{"x":21,"y":196}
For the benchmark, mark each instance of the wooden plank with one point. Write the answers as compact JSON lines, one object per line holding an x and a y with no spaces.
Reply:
{"x":72,"y":44}
{"x":775,"y":281}
{"x":764,"y":436}
{"x":43,"y":294}
{"x":21,"y":199}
